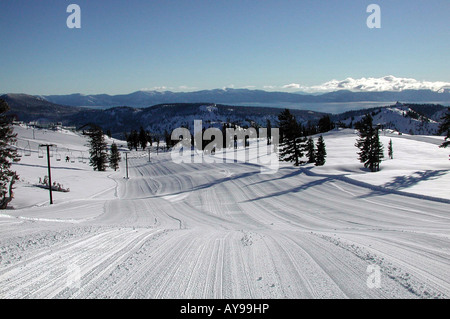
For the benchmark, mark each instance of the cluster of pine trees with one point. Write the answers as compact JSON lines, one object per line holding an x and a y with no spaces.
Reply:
{"x":316,"y":153}
{"x":370,"y":148}
{"x":141,"y":139}
{"x":294,"y":143}
{"x":99,"y":158}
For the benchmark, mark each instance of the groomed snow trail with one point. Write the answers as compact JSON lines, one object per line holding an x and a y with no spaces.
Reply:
{"x":226,"y":231}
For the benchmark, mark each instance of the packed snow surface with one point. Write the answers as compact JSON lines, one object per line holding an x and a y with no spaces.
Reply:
{"x":226,"y":230}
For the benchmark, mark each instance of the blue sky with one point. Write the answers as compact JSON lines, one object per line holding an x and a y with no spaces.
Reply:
{"x":185,"y":45}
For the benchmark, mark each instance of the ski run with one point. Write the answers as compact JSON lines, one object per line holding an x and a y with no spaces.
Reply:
{"x":223,"y":230}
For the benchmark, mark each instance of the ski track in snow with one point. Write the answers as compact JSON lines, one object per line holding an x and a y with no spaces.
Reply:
{"x":226,"y":231}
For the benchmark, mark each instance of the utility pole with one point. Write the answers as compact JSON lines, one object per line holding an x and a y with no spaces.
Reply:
{"x":49,"y":171}
{"x":126,"y":163}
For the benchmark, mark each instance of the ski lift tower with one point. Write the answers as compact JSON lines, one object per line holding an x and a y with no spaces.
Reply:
{"x":49,"y":172}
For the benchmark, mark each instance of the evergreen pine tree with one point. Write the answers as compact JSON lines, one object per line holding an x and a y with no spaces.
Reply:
{"x":135,"y":139}
{"x":8,"y":154}
{"x":168,"y":139}
{"x":97,"y":150}
{"x":371,"y":149}
{"x":444,"y":128}
{"x":310,"y":151}
{"x":149,"y":138}
{"x":114,"y":157}
{"x":376,"y":154}
{"x":292,"y":142}
{"x":325,"y":124}
{"x":269,"y":132}
{"x":158,"y":141}
{"x":321,"y":152}
{"x":129,"y":141}
{"x":365,"y":138}
{"x":390,"y":150}
{"x":142,"y":138}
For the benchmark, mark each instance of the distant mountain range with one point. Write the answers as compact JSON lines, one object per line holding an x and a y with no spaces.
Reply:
{"x":34,"y":108}
{"x":244,"y":97}
{"x":406,"y":118}
{"x":157,"y":118}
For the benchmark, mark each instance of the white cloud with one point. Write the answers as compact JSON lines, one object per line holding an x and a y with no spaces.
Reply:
{"x":161,"y":88}
{"x":370,"y":84}
{"x":157,"y":88}
{"x":187,"y":88}
{"x":291,"y":86}
{"x":229,"y":86}
{"x":386,"y":83}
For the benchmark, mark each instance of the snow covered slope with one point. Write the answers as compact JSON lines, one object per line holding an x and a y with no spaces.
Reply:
{"x":76,"y":174}
{"x":419,"y":166}
{"x":227,"y":231}
{"x":401,"y":118}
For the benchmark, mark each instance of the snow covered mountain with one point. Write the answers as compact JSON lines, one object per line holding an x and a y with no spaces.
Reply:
{"x":160,"y":118}
{"x":244,"y":96}
{"x":33,"y":108}
{"x":157,"y":118}
{"x":405,"y":118}
{"x":414,"y":119}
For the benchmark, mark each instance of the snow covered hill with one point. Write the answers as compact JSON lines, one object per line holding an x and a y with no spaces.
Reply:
{"x":419,"y":166}
{"x":76,"y":174}
{"x":415,"y":119}
{"x":403,"y":118}
{"x":224,"y":230}
{"x":166,"y":117}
